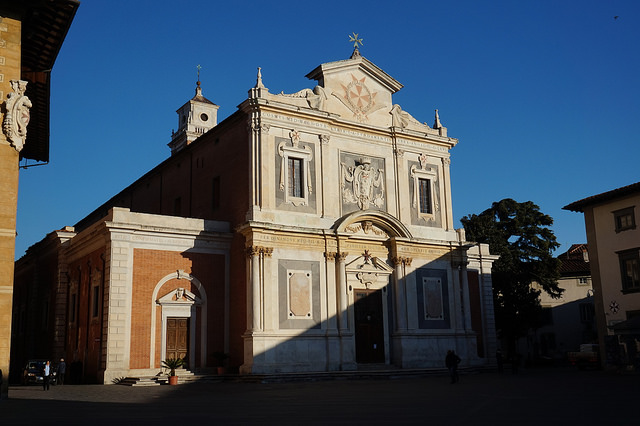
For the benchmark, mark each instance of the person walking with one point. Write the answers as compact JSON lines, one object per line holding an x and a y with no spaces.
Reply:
{"x":451,"y":361}
{"x":62,"y":368}
{"x":46,"y":370}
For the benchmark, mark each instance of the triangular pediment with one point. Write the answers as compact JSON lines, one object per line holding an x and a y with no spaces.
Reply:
{"x":330,"y":73}
{"x":369,"y":264}
{"x":179,"y":296}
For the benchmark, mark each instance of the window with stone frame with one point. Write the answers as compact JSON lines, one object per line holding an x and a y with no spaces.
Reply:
{"x":630,"y":270}
{"x":624,"y":219}
{"x":424,"y":179}
{"x":424,"y":194}
{"x":295,"y":174}
{"x":295,"y":170}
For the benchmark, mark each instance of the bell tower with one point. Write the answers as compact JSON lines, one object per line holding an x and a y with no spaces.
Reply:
{"x":195,"y":118}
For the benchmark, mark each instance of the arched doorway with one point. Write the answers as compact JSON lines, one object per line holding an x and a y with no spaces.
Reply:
{"x":370,"y":281}
{"x":179,"y":321}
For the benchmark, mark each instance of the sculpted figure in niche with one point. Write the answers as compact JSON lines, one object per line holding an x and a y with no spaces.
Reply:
{"x":17,"y":116}
{"x":364,"y":180}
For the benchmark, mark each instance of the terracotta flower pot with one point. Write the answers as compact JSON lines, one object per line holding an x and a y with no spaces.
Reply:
{"x":173,"y":380}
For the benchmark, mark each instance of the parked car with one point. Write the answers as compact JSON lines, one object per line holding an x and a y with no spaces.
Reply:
{"x":33,"y":372}
{"x":587,"y":357}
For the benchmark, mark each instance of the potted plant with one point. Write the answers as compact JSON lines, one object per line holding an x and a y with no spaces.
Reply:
{"x":220,"y":357}
{"x":172,"y":364}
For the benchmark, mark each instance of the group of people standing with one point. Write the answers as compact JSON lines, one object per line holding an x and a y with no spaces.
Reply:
{"x":47,"y":373}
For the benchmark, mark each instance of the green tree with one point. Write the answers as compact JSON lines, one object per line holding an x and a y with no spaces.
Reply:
{"x":519,"y":233}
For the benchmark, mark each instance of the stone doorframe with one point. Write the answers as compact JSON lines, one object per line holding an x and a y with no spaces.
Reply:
{"x":370,"y":273}
{"x":181,"y":303}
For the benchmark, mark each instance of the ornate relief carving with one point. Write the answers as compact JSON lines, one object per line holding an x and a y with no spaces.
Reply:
{"x":295,"y":138}
{"x":315,"y":98}
{"x":358,"y":98}
{"x":259,"y":250}
{"x":330,"y":255}
{"x":324,"y":139}
{"x":256,"y":125}
{"x":366,"y":227}
{"x":363,"y":181}
{"x":403,"y":119}
{"x":367,"y":278}
{"x":340,"y":257}
{"x":16,"y":117}
{"x":253,"y":251}
{"x":397,"y":261}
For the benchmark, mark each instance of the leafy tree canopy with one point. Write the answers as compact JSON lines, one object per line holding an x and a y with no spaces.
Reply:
{"x":519,"y":234}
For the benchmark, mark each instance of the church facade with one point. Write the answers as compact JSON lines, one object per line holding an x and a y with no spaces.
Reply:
{"x":310,"y":231}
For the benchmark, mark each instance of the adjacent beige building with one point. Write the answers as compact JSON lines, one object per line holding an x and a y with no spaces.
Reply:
{"x":613,"y":237}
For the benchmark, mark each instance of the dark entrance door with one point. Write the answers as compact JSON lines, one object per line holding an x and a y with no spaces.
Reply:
{"x":369,"y":326}
{"x":177,"y":338}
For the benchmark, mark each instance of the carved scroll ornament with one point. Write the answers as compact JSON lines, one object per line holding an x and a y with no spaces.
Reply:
{"x":16,"y":117}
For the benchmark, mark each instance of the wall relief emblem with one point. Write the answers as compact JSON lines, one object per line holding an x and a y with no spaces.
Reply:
{"x":358,"y":98}
{"x":17,"y":116}
{"x":367,"y":228}
{"x":362,"y":185}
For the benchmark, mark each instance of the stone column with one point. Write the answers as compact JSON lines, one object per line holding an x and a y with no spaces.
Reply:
{"x":458,"y":307}
{"x":466,"y":303}
{"x":253,"y":293}
{"x":448,"y":209}
{"x":332,"y":294}
{"x":343,"y":302}
{"x":400,"y":297}
{"x":267,"y":306}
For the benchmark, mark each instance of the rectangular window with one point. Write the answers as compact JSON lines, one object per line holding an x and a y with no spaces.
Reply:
{"x":215,"y":193}
{"x":583,"y":281}
{"x":95,"y":301}
{"x":624,"y":219}
{"x":630,"y":270}
{"x":295,"y":174}
{"x":424,"y":188}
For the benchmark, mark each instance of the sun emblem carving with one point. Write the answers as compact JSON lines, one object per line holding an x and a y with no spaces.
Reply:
{"x":358,"y":98}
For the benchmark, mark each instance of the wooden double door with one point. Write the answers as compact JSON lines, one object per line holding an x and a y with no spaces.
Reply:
{"x":369,"y":326}
{"x":177,"y":338}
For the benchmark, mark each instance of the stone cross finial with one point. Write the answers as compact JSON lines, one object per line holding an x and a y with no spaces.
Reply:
{"x":355,"y":40}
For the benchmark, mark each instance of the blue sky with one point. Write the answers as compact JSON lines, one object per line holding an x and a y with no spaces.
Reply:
{"x":543,"y":95}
